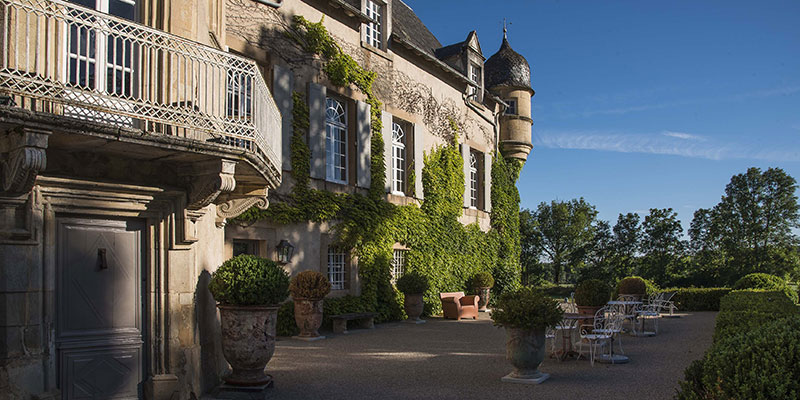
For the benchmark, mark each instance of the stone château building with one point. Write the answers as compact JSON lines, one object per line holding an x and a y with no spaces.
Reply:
{"x":133,"y":131}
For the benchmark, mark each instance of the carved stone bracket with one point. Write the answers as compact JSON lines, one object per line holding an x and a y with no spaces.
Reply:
{"x":233,"y":205}
{"x":22,"y":156}
{"x":208,"y":180}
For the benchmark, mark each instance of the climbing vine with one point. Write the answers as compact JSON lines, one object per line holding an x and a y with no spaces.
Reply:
{"x":439,"y":246}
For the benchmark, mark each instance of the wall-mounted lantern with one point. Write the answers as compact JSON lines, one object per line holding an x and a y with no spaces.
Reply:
{"x":285,"y":251}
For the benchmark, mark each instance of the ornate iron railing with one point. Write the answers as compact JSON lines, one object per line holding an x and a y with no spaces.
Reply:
{"x":66,"y":59}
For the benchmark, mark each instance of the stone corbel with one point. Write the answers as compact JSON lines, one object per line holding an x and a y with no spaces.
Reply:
{"x":206,"y":181}
{"x":22,"y":156}
{"x":234,"y":204}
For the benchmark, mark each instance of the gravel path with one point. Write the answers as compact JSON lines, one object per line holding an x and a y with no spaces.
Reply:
{"x":445,"y":359}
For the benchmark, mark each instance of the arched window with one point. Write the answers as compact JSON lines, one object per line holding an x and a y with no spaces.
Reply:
{"x":335,"y":141}
{"x":398,"y":158}
{"x":473,"y":181}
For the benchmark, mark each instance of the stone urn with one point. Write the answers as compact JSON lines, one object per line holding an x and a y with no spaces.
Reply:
{"x":413,"y":306}
{"x":308,"y":316}
{"x":525,"y":350}
{"x":483,"y":298}
{"x":248,"y":342}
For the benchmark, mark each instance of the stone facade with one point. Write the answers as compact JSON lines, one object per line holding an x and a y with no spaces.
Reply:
{"x":167,"y":163}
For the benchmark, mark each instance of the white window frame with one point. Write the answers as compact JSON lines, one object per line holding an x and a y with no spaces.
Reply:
{"x":372,"y":30}
{"x":474,"y":76}
{"x":337,"y":268}
{"x":398,"y":264}
{"x":473,"y":181}
{"x":398,"y":159}
{"x":335,"y":139}
{"x":95,"y":41}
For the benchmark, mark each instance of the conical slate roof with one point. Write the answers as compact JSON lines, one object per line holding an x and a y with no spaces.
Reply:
{"x":507,"y":68}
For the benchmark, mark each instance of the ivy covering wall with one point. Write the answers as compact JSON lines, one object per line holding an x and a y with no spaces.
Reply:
{"x":440,"y":247}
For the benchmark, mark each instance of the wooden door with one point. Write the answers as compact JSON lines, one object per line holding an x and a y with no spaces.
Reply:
{"x":99,"y":306}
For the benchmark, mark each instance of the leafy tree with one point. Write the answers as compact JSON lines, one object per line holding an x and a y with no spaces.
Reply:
{"x":563,"y":233}
{"x":661,"y":246}
{"x":627,"y":237}
{"x":601,"y":254}
{"x":533,"y":271}
{"x":750,"y":230}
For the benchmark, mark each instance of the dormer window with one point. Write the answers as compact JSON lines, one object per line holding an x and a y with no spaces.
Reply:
{"x":474,"y":75}
{"x":512,"y":107}
{"x":372,"y":30}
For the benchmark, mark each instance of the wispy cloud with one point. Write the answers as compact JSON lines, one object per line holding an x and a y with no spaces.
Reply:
{"x":665,"y":143}
{"x":684,"y":136}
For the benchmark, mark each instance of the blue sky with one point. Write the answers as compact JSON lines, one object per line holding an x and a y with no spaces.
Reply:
{"x":644,"y":104}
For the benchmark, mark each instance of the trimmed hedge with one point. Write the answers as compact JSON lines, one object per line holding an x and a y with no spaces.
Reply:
{"x":756,"y":350}
{"x":758,"y":363}
{"x":745,"y":310}
{"x":558,"y":291}
{"x":698,"y":299}
{"x":764,"y":281}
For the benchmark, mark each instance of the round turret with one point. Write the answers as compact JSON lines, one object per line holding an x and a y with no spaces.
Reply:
{"x":507,"y":69}
{"x":507,"y":75}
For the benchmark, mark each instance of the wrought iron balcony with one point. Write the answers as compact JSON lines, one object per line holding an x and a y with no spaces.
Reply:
{"x":64,"y":59}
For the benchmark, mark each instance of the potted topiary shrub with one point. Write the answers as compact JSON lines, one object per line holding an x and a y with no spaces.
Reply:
{"x":482,"y":283}
{"x":308,"y":288}
{"x":590,"y":296}
{"x":413,"y":285}
{"x":632,"y":286}
{"x":248,"y":290}
{"x":526,"y":313}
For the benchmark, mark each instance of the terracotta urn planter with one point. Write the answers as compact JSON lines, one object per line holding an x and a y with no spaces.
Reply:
{"x":525,"y":349}
{"x":589,"y":312}
{"x":483,"y":300}
{"x":413,"y":306}
{"x":308,"y":316}
{"x":248,"y":342}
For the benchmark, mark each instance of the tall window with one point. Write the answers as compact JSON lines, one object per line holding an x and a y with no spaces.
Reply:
{"x":373,"y":29}
{"x":337,"y":259}
{"x":398,"y":264}
{"x":335,"y":141}
{"x":474,"y":75}
{"x":398,"y":158}
{"x":473,"y":181}
{"x":97,"y":60}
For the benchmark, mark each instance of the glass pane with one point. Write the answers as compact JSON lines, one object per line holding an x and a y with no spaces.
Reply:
{"x":123,"y":9}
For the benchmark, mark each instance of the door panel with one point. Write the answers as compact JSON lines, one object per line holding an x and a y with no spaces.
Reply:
{"x":99,"y":335}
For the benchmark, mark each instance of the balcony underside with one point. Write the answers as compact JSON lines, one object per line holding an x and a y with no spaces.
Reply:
{"x":73,"y":148}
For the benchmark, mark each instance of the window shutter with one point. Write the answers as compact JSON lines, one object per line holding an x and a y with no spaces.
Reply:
{"x":363,"y":141}
{"x":387,"y":147}
{"x":316,"y":129}
{"x":282,"y":83}
{"x":487,"y":182}
{"x":465,"y":156}
{"x":420,"y":133}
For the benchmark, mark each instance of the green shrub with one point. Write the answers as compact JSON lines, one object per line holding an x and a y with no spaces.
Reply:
{"x":310,"y":285}
{"x":286,"y":325}
{"x":412,"y":282}
{"x":482,"y":279}
{"x":247,"y":280}
{"x":526,"y":308}
{"x":632,"y":285}
{"x":744,"y":310}
{"x":559,"y":291}
{"x":343,"y":305}
{"x":766,"y":282}
{"x":592,"y":293}
{"x":762,"y":363}
{"x":697,"y":299}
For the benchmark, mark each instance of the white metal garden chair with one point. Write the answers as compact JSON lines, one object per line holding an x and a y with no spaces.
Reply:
{"x":598,"y":335}
{"x":649,"y":311}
